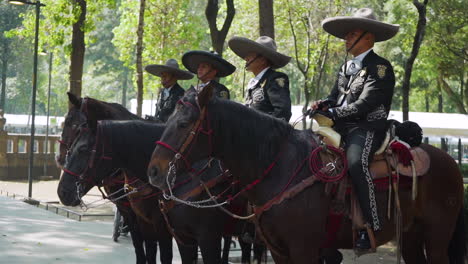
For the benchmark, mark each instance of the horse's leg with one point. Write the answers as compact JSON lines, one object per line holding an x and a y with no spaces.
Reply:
{"x":438,"y":237}
{"x":188,"y":252}
{"x":165,"y":249}
{"x":413,"y":245}
{"x":137,"y":241}
{"x":227,"y":246}
{"x":210,"y":247}
{"x":260,"y":251}
{"x":331,"y":256}
{"x":151,"y":250}
{"x":246,"y":251}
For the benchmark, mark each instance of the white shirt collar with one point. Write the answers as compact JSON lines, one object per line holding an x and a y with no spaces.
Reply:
{"x":257,"y":78}
{"x":361,"y":56}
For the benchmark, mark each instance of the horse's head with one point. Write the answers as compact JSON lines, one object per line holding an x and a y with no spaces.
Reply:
{"x":82,"y":169}
{"x":186,"y":139}
{"x":73,"y":120}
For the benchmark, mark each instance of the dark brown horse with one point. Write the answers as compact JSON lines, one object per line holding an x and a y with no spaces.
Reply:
{"x":128,"y":145}
{"x":269,"y":155}
{"x":87,"y":111}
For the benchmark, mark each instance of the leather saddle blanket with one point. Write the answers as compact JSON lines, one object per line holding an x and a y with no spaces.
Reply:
{"x":379,"y":166}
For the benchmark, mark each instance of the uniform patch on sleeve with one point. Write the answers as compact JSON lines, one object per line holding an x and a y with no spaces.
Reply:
{"x":223,"y":94}
{"x":280,"y":82}
{"x":381,"y":70}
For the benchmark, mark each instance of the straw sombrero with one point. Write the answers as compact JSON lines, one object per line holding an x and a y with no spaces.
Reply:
{"x":172,"y":67}
{"x":364,"y":19}
{"x":264,"y":46}
{"x":192,"y":59}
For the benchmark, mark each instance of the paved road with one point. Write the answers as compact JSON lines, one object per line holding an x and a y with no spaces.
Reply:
{"x":33,"y":235}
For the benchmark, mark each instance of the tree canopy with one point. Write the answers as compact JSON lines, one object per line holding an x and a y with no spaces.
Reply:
{"x":172,"y":27}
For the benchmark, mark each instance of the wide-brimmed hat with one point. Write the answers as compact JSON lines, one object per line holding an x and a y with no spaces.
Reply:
{"x":172,"y":67}
{"x":264,"y":46}
{"x":192,"y":59}
{"x":364,"y":19}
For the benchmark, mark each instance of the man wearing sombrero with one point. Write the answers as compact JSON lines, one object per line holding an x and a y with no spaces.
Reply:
{"x":171,"y":91}
{"x":268,"y":91}
{"x":208,"y":66}
{"x":359,"y":103}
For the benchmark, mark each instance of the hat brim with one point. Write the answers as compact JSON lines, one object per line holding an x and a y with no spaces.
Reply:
{"x":243,"y":46}
{"x":192,"y":59}
{"x":342,"y":25}
{"x":157,"y":70}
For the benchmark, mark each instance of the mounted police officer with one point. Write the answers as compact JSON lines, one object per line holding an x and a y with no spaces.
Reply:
{"x":171,"y":92}
{"x":268,"y":91}
{"x":359,"y":103}
{"x":208,"y":66}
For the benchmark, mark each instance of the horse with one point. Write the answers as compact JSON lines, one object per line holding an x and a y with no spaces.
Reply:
{"x":88,"y":111}
{"x":270,"y":158}
{"x":128,"y":145}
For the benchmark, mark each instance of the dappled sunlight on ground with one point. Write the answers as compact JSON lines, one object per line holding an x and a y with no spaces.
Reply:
{"x":32,"y":235}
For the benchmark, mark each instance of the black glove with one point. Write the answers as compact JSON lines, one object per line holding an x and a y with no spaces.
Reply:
{"x":326,"y":103}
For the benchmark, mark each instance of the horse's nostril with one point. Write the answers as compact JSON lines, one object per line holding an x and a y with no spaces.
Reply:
{"x":154,"y":171}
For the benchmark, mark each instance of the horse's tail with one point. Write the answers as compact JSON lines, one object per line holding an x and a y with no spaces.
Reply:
{"x":457,"y":247}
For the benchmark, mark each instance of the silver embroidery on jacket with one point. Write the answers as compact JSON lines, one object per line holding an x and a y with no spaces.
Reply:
{"x":370,"y":183}
{"x":257,"y":95}
{"x":378,"y":114}
{"x":346,"y":111}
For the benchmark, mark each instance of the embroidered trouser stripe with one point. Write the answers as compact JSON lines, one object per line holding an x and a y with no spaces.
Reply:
{"x":360,"y":147}
{"x":365,"y":168}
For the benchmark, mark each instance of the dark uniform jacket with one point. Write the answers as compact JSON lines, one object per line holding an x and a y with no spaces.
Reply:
{"x":219,"y":90}
{"x":164,"y":108}
{"x":271,"y":95}
{"x":368,"y":96}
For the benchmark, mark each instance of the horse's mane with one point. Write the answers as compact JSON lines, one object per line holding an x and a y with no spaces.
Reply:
{"x":113,"y":109}
{"x":263,"y":133}
{"x":132,"y":139}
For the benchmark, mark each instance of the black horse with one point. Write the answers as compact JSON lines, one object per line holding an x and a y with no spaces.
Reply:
{"x":272,"y":160}
{"x":128,"y":145}
{"x":88,"y":111}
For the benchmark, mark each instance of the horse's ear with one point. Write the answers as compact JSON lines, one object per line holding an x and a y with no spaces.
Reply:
{"x":205,"y":95}
{"x":74,"y":100}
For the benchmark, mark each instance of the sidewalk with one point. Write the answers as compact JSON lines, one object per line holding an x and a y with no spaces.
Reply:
{"x":32,"y":235}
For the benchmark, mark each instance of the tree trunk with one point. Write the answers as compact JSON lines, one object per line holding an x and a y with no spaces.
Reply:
{"x":453,"y":96}
{"x":139,"y":52}
{"x":219,"y":36}
{"x":440,"y":105}
{"x":323,"y":59}
{"x":427,"y":101}
{"x":305,"y":107}
{"x":124,"y":88}
{"x":266,"y":18}
{"x":4,"y":75}
{"x":78,"y":50}
{"x":418,"y":38}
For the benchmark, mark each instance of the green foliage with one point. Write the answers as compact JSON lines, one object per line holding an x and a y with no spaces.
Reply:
{"x":173,"y":27}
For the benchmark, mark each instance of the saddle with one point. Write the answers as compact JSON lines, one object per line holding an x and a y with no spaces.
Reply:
{"x":385,"y":154}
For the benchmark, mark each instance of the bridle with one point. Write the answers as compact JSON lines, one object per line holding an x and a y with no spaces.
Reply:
{"x":202,"y":125}
{"x":84,"y":177}
{"x":83,"y":119}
